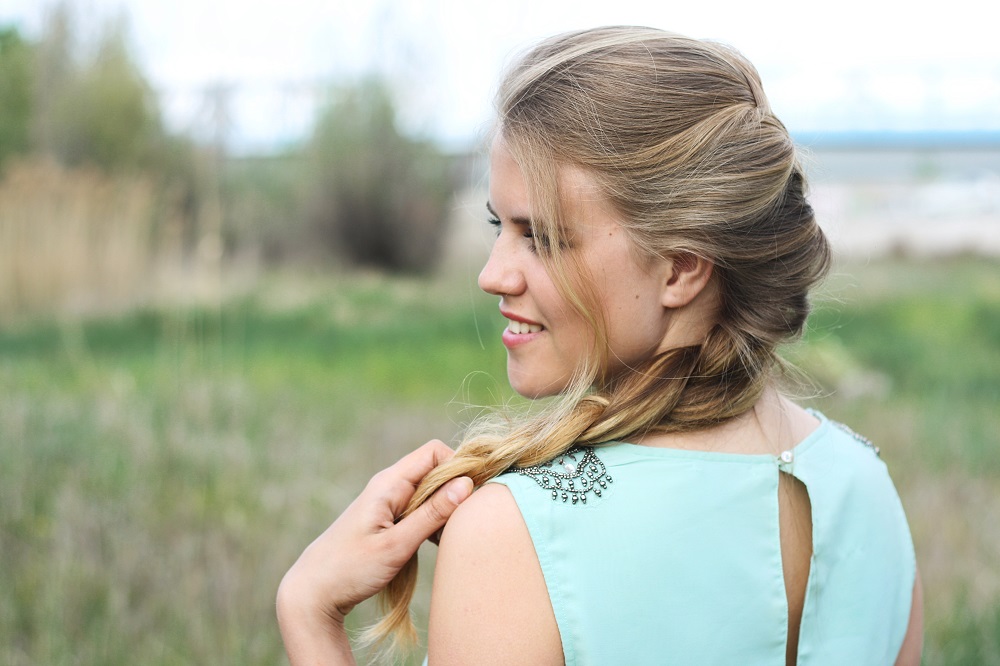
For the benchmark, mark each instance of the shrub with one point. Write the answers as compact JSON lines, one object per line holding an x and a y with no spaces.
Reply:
{"x":378,"y":197}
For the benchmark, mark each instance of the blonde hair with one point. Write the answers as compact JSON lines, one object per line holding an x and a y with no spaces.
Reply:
{"x":679,"y":136}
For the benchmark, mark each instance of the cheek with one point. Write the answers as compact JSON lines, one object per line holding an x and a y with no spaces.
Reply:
{"x":636,"y":324}
{"x":575,"y":330}
{"x":576,"y":348}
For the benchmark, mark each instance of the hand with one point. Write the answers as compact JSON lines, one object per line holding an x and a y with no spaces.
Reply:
{"x":359,"y":554}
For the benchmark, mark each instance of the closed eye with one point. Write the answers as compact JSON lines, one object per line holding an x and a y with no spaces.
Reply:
{"x":535,"y":243}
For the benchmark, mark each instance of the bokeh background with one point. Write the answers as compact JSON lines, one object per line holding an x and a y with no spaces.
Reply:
{"x":238,"y":250}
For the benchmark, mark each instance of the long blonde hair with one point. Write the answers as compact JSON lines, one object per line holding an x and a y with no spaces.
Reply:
{"x":679,"y":136}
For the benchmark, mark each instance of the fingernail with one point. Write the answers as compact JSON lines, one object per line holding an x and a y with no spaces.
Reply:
{"x":459,"y":489}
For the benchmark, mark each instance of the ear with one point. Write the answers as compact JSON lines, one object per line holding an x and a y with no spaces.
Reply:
{"x":686,"y":276}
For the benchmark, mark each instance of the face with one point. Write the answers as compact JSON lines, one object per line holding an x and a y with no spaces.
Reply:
{"x":546,"y":339}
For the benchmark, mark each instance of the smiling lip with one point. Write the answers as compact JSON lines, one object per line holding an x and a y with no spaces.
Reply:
{"x":519,"y":330}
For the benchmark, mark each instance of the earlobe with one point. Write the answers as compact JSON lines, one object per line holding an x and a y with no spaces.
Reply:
{"x":686,"y":276}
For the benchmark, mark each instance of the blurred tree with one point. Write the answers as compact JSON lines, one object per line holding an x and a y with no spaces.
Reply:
{"x":92,"y":105}
{"x":53,"y":71}
{"x":379,"y":197}
{"x":107,"y":114}
{"x":16,"y":64}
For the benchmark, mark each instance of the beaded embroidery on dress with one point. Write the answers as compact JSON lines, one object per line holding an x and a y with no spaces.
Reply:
{"x":846,"y":429}
{"x":571,"y":476}
{"x":860,"y":438}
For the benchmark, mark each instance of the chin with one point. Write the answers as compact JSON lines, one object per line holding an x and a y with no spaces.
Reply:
{"x":530,"y":393}
{"x":534,"y":388}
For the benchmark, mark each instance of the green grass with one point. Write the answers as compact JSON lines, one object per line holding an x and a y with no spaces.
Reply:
{"x":935,"y":340}
{"x":159,"y":470}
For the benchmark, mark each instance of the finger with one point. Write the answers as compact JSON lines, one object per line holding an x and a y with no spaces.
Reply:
{"x":431,"y":516}
{"x":394,"y":486}
{"x":415,"y":465}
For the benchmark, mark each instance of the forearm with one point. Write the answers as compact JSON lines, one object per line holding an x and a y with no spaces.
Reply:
{"x":309,"y":642}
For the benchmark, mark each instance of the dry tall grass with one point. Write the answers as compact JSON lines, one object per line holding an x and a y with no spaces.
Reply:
{"x":73,"y":240}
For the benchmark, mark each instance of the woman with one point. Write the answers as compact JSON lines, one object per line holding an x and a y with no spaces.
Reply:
{"x":654,"y":248}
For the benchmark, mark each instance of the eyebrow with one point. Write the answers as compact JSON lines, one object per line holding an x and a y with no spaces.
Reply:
{"x":514,"y":220}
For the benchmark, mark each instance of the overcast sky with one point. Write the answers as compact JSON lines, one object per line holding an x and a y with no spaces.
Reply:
{"x":852,"y":64}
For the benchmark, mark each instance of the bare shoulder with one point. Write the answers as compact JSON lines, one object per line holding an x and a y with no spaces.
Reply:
{"x":489,"y":603}
{"x":490,"y":513}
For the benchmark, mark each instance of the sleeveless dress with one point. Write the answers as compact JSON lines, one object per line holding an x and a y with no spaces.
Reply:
{"x":666,"y":556}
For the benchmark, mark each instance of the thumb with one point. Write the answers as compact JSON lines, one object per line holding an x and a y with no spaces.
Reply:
{"x":431,"y":516}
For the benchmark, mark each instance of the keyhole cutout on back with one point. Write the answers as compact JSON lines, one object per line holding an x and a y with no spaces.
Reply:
{"x":795,"y":524}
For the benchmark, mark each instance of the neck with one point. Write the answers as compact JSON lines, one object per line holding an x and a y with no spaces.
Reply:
{"x":774,"y":424}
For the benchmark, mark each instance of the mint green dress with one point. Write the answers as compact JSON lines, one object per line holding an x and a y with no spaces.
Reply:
{"x":666,"y":556}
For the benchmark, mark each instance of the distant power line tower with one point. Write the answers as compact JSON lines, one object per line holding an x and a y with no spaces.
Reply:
{"x":217,"y":115}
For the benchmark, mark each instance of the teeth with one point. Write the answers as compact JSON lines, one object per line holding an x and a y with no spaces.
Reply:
{"x":520,"y":328}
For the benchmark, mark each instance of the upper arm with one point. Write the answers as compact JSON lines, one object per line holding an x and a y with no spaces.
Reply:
{"x":913,"y":642}
{"x":489,"y":603}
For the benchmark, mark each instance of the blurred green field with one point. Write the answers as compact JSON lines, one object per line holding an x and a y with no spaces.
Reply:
{"x":159,"y":470}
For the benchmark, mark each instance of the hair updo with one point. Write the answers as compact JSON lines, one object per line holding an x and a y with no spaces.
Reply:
{"x":680,"y":138}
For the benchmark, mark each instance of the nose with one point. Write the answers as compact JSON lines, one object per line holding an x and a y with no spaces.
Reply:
{"x":502,"y":275}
